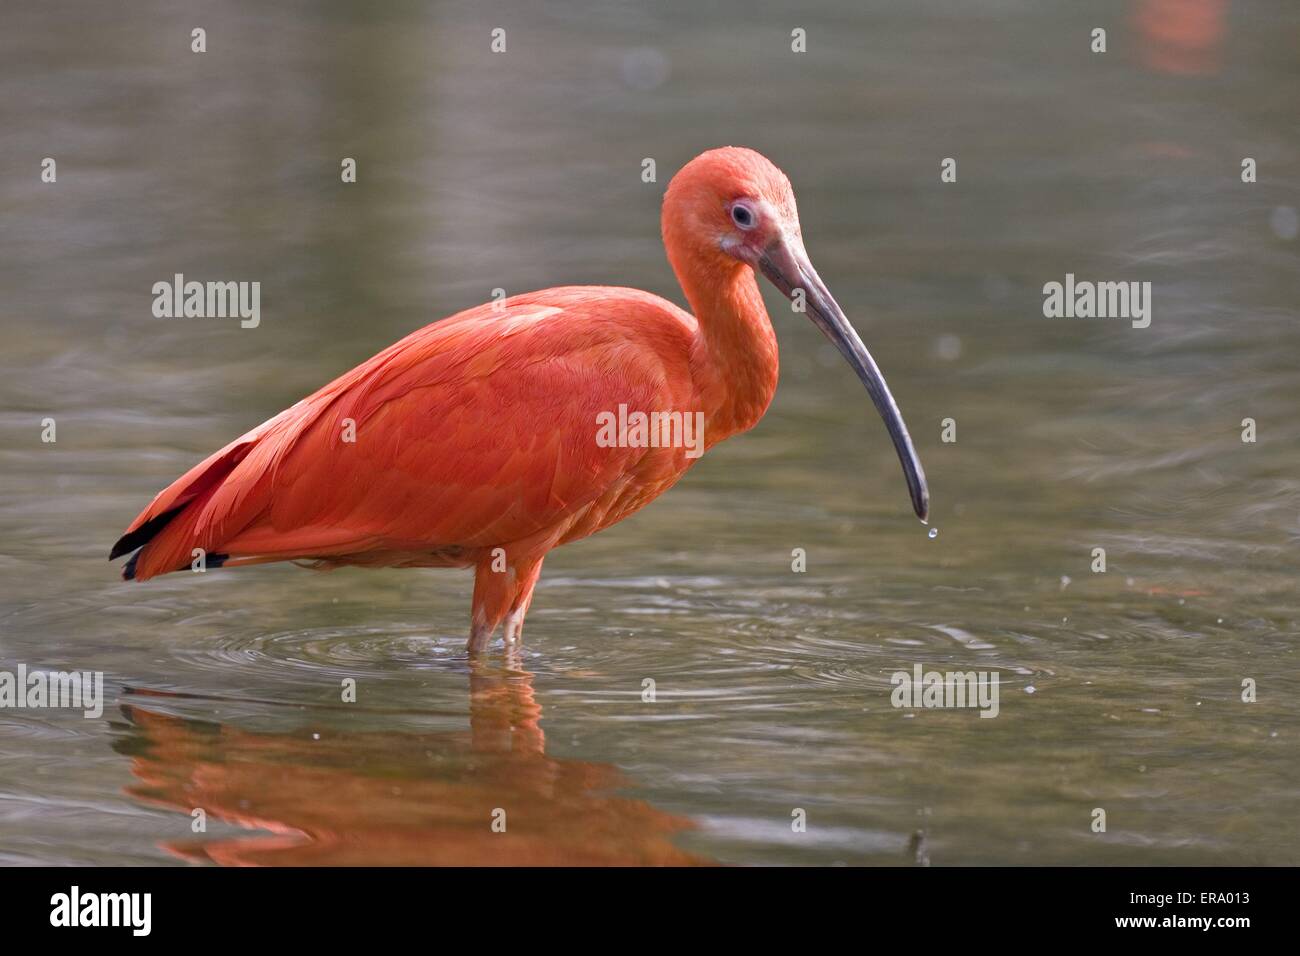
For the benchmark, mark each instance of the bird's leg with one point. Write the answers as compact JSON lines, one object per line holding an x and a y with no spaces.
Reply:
{"x":526,"y":579}
{"x":514,"y":631}
{"x":502,"y":591}
{"x":493,"y":591}
{"x":479,"y":635}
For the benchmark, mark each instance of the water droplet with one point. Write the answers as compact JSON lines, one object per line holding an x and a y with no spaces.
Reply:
{"x":934,"y":532}
{"x":1030,"y":689}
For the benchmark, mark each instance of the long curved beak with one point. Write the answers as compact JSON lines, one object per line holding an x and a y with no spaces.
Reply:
{"x":786,"y":264}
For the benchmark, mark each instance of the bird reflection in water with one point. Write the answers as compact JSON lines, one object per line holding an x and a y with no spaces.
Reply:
{"x":330,"y":797}
{"x":1181,"y":37}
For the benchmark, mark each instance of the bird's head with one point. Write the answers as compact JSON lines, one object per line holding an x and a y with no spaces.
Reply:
{"x":731,"y":208}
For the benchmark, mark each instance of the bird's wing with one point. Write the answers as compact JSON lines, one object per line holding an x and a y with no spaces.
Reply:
{"x":477,"y":430}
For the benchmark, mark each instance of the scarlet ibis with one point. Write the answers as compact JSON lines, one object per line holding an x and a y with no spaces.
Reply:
{"x":482,"y":440}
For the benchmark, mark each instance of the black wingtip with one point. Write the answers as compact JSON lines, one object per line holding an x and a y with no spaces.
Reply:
{"x":128,"y":569}
{"x":143,"y":534}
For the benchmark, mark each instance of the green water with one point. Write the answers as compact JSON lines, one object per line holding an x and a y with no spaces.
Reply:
{"x":1119,"y":690}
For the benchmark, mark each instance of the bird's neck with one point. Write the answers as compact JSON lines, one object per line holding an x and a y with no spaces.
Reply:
{"x":734,"y":361}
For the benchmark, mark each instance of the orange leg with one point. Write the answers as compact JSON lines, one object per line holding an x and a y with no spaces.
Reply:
{"x":526,"y":581}
{"x":501,"y":595}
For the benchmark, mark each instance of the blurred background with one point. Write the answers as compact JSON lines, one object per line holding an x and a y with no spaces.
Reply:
{"x":522,"y":170}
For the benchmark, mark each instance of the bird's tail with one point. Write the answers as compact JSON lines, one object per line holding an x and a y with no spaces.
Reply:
{"x":164,"y":535}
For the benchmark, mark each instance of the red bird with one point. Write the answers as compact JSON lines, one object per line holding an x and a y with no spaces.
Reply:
{"x":491,"y":437}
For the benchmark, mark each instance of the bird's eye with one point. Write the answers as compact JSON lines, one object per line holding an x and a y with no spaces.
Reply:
{"x":742,"y":216}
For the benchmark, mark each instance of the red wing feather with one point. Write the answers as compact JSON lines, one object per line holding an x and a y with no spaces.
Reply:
{"x":478,"y":430}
